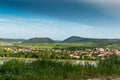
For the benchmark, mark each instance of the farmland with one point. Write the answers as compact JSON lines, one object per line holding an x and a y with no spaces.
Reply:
{"x":53,"y":45}
{"x":107,"y":69}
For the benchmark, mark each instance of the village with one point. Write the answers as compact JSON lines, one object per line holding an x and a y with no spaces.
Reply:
{"x":86,"y":54}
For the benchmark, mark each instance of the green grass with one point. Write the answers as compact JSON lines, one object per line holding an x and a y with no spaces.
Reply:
{"x":53,"y":70}
{"x":52,"y":45}
{"x":66,"y":45}
{"x":91,"y":44}
{"x":38,"y":45}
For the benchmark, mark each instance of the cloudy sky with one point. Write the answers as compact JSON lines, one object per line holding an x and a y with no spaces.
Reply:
{"x":59,"y":19}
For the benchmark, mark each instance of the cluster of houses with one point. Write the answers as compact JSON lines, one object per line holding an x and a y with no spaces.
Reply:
{"x":79,"y":54}
{"x":101,"y":53}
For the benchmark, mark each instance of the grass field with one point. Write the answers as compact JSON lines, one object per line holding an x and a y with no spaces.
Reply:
{"x":110,"y":45}
{"x":53,"y":70}
{"x":88,"y":44}
{"x":52,"y":45}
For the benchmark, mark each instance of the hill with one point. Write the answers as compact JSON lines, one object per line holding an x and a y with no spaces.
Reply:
{"x":73,"y":39}
{"x":39,"y":40}
{"x":81,"y":39}
{"x":78,"y":39}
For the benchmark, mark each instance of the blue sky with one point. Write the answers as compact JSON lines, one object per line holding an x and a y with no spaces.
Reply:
{"x":59,"y":19}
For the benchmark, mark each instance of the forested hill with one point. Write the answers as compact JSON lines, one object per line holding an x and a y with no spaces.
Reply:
{"x":39,"y":40}
{"x":70,"y":39}
{"x":81,"y":39}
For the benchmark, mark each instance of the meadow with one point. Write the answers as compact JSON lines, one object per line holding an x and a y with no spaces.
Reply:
{"x":53,"y":45}
{"x":71,"y":44}
{"x":52,"y":70}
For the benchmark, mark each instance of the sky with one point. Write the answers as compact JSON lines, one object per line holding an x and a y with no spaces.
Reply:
{"x":59,"y":19}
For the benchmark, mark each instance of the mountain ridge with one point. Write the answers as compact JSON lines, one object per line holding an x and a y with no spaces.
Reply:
{"x":11,"y":40}
{"x":82,"y":39}
{"x":49,"y":40}
{"x":39,"y":40}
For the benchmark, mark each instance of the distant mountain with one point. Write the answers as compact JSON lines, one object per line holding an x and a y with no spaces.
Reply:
{"x":73,"y":39}
{"x":81,"y":39}
{"x":11,"y":40}
{"x":39,"y":40}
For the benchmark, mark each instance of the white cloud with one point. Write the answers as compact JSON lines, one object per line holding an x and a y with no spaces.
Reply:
{"x":28,"y":27}
{"x":111,"y":7}
{"x":16,"y":27}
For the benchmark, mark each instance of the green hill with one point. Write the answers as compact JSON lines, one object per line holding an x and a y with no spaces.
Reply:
{"x":81,"y":39}
{"x":39,"y":40}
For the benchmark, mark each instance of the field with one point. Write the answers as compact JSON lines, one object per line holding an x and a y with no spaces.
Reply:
{"x":53,"y":70}
{"x":66,"y":45}
{"x":53,"y":45}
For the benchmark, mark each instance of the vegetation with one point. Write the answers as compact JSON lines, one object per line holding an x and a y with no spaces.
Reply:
{"x":58,"y":45}
{"x":81,"y":39}
{"x":77,"y":45}
{"x":39,"y":40}
{"x":48,"y":69}
{"x":53,"y":70}
{"x":30,"y":53}
{"x":79,"y":51}
{"x":11,"y":40}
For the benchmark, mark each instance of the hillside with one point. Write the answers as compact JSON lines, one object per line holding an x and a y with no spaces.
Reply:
{"x":81,"y":39}
{"x":39,"y":40}
{"x":70,"y":39}
{"x":78,"y":39}
{"x":73,"y":39}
